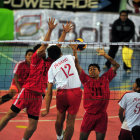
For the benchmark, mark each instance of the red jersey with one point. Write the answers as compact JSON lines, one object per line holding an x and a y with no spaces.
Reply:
{"x":22,"y":69}
{"x":96,"y":92}
{"x":38,"y":77}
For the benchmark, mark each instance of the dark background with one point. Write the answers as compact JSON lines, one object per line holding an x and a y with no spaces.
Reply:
{"x":112,"y":6}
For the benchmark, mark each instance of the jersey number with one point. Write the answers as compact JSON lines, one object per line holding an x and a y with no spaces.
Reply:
{"x":137,"y":109}
{"x":64,"y":70}
{"x":96,"y":91}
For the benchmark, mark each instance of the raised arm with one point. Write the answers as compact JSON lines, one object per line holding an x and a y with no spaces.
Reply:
{"x":66,"y":29}
{"x":74,"y":48}
{"x":52,"y":25}
{"x":113,"y":62}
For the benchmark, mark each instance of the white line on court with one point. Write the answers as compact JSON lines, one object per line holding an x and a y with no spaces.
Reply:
{"x":50,"y":107}
{"x":11,"y":59}
{"x":78,"y":119}
{"x":24,"y":112}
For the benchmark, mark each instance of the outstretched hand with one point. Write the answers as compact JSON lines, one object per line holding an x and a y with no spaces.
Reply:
{"x":51,"y":23}
{"x":73,"y":46}
{"x":44,"y":113}
{"x":101,"y":51}
{"x":67,"y":27}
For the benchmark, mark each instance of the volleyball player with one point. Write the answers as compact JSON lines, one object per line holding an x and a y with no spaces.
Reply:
{"x":21,"y":72}
{"x":129,"y":112}
{"x":64,"y":74}
{"x":96,"y":96}
{"x":30,"y":96}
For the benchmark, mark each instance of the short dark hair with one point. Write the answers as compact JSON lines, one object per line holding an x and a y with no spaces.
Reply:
{"x":29,"y":50}
{"x":94,"y":65}
{"x":138,"y":82}
{"x":124,"y":11}
{"x":54,"y":52}
{"x":36,"y":47}
{"x":135,"y":132}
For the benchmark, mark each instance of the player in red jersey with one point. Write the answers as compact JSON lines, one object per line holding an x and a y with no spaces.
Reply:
{"x":96,"y":96}
{"x":21,"y":72}
{"x":30,"y":96}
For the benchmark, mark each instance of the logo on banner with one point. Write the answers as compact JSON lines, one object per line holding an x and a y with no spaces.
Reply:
{"x":28,"y":26}
{"x":95,"y":5}
{"x":32,"y":25}
{"x":101,"y":4}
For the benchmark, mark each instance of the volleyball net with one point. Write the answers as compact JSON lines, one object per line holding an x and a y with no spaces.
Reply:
{"x":13,"y":51}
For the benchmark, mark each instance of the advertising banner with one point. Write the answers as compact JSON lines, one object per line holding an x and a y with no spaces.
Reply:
{"x":7,"y":24}
{"x":92,"y":27}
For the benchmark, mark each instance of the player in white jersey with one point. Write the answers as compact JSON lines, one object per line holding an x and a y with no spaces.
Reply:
{"x":64,"y":74}
{"x":129,"y":112}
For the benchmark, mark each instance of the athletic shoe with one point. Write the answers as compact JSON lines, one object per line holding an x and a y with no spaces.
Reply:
{"x":62,"y":135}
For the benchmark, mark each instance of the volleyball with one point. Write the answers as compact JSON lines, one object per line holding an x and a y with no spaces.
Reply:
{"x":80,"y":46}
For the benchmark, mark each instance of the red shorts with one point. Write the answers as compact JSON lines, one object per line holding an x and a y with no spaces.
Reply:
{"x":14,"y":87}
{"x":30,"y":100}
{"x":68,"y":99}
{"x":125,"y":135}
{"x":97,"y":123}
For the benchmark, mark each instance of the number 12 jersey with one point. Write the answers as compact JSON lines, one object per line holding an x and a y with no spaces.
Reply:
{"x":64,"y":73}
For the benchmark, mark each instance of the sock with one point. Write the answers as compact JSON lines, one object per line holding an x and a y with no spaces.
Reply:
{"x":60,"y":137}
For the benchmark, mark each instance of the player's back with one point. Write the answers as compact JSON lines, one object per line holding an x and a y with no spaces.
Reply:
{"x":131,"y":103}
{"x":64,"y":72}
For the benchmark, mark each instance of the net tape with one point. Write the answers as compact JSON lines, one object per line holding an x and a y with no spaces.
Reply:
{"x":32,"y":42}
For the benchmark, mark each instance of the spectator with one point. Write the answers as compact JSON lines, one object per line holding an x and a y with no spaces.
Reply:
{"x":123,"y":30}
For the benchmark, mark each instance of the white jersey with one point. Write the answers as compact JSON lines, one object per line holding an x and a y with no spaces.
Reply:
{"x":130,"y":102}
{"x":64,"y":73}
